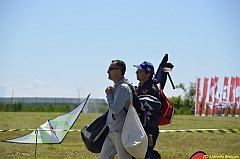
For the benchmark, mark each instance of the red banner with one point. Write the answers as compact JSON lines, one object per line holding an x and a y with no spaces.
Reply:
{"x":224,"y":95}
{"x":211,"y":96}
{"x":216,"y":97}
{"x":205,"y":88}
{"x":197,"y":95}
{"x":231,"y":97}
{"x":237,"y":97}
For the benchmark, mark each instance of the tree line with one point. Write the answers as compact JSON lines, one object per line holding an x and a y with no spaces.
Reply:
{"x":183,"y":105}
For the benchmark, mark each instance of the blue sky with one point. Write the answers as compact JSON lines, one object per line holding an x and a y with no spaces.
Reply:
{"x":61,"y":48}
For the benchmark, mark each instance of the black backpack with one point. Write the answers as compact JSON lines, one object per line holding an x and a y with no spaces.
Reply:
{"x":94,"y":134}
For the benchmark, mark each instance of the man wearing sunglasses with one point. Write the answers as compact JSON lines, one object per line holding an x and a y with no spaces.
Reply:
{"x":145,"y":72}
{"x":118,"y":101}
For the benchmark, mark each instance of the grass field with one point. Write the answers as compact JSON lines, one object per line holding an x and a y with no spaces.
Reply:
{"x":171,"y":145}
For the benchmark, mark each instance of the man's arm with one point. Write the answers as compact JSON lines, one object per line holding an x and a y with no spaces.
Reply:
{"x":118,"y":100}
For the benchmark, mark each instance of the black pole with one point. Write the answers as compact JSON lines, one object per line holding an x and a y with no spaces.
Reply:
{"x":170,"y":80}
{"x":36,"y":132}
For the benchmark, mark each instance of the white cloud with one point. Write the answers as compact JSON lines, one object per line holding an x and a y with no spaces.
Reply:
{"x":3,"y":85}
{"x":35,"y":84}
{"x":3,"y":88}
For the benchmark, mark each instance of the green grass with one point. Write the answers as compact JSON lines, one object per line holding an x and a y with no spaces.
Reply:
{"x":170,"y":145}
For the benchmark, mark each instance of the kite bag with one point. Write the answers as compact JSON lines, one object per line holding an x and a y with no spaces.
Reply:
{"x":94,"y":134}
{"x":133,"y":137}
{"x":167,"y":110}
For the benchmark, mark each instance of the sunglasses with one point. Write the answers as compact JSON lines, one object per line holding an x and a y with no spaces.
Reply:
{"x":112,"y":68}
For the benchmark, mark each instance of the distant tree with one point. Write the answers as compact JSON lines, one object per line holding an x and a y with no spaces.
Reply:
{"x":184,"y":105}
{"x":189,"y":93}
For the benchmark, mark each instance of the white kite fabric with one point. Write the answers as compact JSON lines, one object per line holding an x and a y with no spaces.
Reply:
{"x":52,"y":131}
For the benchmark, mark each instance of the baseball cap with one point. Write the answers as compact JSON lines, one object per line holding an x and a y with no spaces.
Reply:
{"x":147,"y":66}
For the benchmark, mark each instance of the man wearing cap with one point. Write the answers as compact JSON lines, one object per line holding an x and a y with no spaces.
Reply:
{"x":145,"y":72}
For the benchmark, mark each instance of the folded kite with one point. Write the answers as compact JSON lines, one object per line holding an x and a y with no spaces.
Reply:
{"x":52,"y":131}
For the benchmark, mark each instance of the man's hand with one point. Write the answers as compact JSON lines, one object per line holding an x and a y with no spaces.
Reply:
{"x":150,"y":140}
{"x":109,"y":89}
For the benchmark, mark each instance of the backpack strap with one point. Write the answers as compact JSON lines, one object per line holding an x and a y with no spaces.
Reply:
{"x":137,"y":103}
{"x":125,"y":109}
{"x":131,"y":95}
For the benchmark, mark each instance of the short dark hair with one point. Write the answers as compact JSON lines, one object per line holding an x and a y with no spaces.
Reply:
{"x":121,"y":65}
